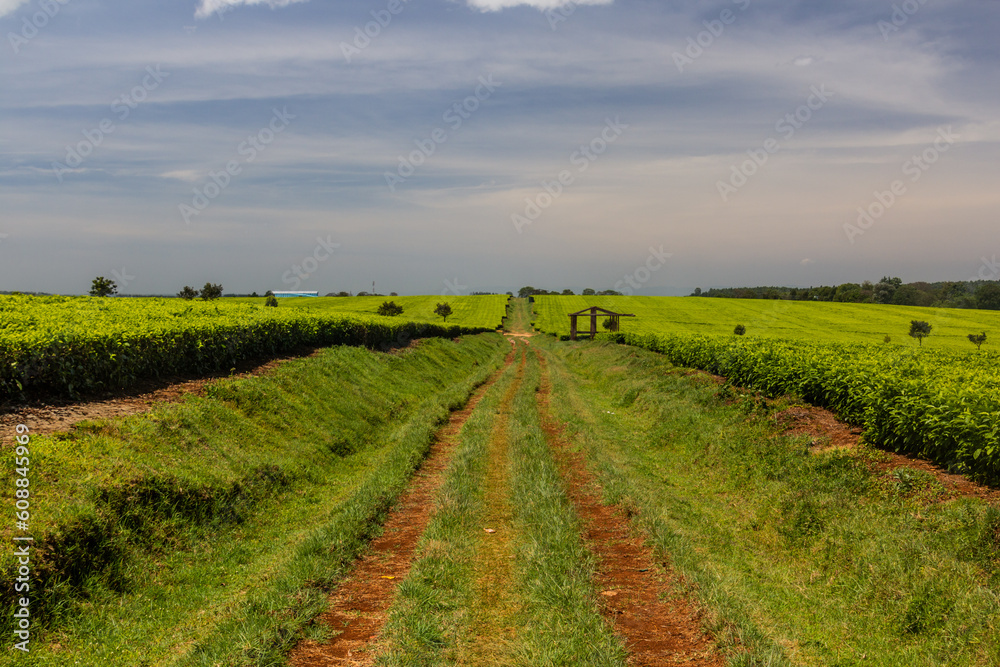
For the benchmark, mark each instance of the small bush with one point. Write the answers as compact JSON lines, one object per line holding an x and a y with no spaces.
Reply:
{"x":390,"y":309}
{"x":740,"y":330}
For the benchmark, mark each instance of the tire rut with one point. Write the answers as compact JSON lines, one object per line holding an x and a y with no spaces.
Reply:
{"x":656,"y":631}
{"x":359,"y":606}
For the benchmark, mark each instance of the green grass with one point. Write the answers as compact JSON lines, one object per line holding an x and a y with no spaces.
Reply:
{"x":481,"y":311}
{"x":806,"y":320}
{"x":796,"y":558}
{"x":66,"y":346}
{"x":547,"y":613}
{"x":211,"y":531}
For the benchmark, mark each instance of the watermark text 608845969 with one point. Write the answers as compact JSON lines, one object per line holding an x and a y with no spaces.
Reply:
{"x":22,"y":539}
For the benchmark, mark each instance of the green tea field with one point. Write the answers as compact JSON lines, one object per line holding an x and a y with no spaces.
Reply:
{"x":515,"y":499}
{"x":793,"y":320}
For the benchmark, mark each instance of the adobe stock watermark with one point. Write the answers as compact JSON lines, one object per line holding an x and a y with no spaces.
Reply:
{"x":557,"y":15}
{"x":363,"y":36}
{"x":454,"y":116}
{"x":248,"y":150}
{"x":901,"y":14}
{"x":122,"y":107}
{"x":914,"y":169}
{"x":704,"y":40}
{"x":31,"y":27}
{"x":453,"y":288}
{"x":581,"y":158}
{"x":644,"y":272}
{"x":786,"y":127}
{"x":122,"y":278}
{"x":310,"y":263}
{"x":989,"y":270}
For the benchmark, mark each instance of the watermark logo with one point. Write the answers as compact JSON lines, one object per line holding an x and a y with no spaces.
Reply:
{"x":310,"y":264}
{"x":122,"y":278}
{"x":644,"y":272}
{"x":22,"y":538}
{"x":989,"y":270}
{"x":704,"y":40}
{"x":31,"y":28}
{"x":122,"y":107}
{"x":582,"y":158}
{"x":248,"y":150}
{"x":914,"y":169}
{"x":453,"y":288}
{"x":786,"y":126}
{"x":454,"y":116}
{"x":901,"y":14}
{"x":363,"y":36}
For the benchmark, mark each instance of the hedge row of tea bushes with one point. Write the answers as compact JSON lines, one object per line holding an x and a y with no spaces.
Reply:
{"x":69,"y":345}
{"x":943,"y":406}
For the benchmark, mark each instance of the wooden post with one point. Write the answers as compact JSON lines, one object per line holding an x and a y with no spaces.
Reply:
{"x":572,"y":327}
{"x":593,"y":323}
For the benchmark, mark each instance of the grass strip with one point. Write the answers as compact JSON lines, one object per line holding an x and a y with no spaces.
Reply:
{"x":432,"y":609}
{"x":191,"y":563}
{"x":462,"y":603}
{"x":560,"y":622}
{"x":797,"y":558}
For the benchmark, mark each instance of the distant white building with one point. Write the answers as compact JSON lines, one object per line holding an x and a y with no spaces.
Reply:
{"x":284,"y":294}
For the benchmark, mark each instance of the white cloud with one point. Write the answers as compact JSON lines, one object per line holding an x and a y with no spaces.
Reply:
{"x":541,"y":5}
{"x":10,"y":6}
{"x":209,"y":7}
{"x":189,"y":175}
{"x":807,"y":262}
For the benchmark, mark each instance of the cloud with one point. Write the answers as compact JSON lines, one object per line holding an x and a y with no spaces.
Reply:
{"x":10,"y":6}
{"x":541,"y":5}
{"x":807,"y":262}
{"x":209,"y":7}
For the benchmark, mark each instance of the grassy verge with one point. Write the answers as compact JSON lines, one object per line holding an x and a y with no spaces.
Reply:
{"x":431,"y":610}
{"x":462,"y":604}
{"x":797,"y":558}
{"x":560,"y":623}
{"x":209,"y":532}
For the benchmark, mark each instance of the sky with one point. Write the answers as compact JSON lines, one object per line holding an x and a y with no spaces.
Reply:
{"x":451,"y":146}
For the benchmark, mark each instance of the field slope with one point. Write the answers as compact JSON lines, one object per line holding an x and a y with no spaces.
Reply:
{"x":812,"y":321}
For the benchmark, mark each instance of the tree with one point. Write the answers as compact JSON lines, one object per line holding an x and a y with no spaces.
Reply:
{"x":393,"y":294}
{"x":444,"y":310}
{"x":103,"y":287}
{"x":188,"y":293}
{"x":211,"y":291}
{"x":588,"y":292}
{"x":567,"y":292}
{"x":271,"y":301}
{"x":885,"y":289}
{"x":988,"y":296}
{"x":268,"y":293}
{"x":920,"y":330}
{"x":697,"y":291}
{"x":525,"y":292}
{"x":390,"y":309}
{"x":255,"y":295}
{"x":977,"y":339}
{"x":906,"y":295}
{"x":740,"y":330}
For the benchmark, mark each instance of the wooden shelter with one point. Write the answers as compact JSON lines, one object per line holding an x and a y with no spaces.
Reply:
{"x":594,"y":313}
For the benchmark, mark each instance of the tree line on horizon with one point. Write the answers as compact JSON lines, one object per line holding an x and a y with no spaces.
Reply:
{"x":983,"y":294}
